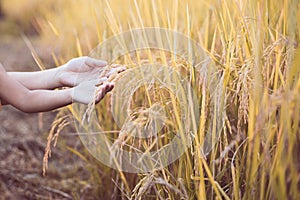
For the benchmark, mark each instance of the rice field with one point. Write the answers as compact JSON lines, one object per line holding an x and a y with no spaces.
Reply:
{"x":247,"y":108}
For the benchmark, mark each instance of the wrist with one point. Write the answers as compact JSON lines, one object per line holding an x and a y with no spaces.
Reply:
{"x":58,"y":71}
{"x":68,"y":94}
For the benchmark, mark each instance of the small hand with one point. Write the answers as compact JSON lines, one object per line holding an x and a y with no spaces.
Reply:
{"x":87,"y":91}
{"x":78,"y":70}
{"x":83,"y":69}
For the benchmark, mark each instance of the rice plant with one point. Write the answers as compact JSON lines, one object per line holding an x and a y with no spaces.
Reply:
{"x":254,"y":45}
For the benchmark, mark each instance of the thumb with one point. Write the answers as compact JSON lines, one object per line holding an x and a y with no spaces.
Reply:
{"x":92,"y":62}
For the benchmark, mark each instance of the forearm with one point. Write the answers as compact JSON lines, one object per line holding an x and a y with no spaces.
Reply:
{"x":46,"y":79}
{"x":44,"y":100}
{"x":19,"y":96}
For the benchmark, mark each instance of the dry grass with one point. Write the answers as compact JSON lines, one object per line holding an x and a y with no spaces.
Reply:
{"x":255,"y":45}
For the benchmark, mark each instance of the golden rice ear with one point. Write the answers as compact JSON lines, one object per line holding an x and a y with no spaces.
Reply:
{"x":56,"y":127}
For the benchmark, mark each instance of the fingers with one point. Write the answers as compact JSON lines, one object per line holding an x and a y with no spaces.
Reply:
{"x":111,"y":72}
{"x":87,"y":91}
{"x":100,"y":81}
{"x":103,"y":90}
{"x":94,"y":63}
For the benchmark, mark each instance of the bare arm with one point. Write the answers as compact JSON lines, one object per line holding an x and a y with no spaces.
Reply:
{"x":14,"y":93}
{"x":71,"y":74}
{"x":46,"y":79}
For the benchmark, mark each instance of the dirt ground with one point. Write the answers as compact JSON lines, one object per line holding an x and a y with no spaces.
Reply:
{"x":23,"y":139}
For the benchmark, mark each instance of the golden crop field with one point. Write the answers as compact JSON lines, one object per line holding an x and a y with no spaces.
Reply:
{"x":251,"y":99}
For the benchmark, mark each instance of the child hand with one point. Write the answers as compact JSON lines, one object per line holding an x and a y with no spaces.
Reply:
{"x":83,"y":69}
{"x":88,"y":91}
